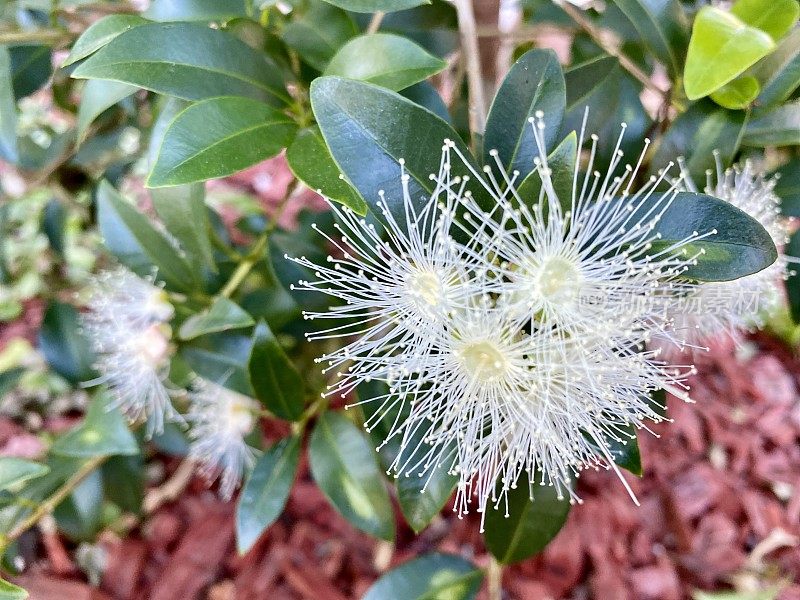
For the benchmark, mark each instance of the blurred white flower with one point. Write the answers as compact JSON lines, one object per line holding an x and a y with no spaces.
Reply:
{"x":219,"y":421}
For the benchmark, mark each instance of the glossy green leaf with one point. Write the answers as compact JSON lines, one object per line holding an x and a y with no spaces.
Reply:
{"x":221,"y":357}
{"x":100,"y":33}
{"x":696,"y":134}
{"x":64,"y":347}
{"x":265,"y":493}
{"x":721,"y":48}
{"x":740,"y":247}
{"x":368,"y":6}
{"x":222,"y":315}
{"x":787,"y":187}
{"x":780,"y":127}
{"x":535,"y":83}
{"x":182,"y":209}
{"x":186,"y":60}
{"x":432,"y":576}
{"x":590,"y":85}
{"x":8,"y":110}
{"x":369,"y":129}
{"x":425,"y":94}
{"x":9,"y":591}
{"x":775,"y":17}
{"x":103,"y":432}
{"x":217,"y":137}
{"x":133,"y":239}
{"x":384,"y":59}
{"x":312,"y":163}
{"x":529,"y":523}
{"x":31,"y":67}
{"x":793,"y":281}
{"x":624,"y":451}
{"x":738,"y":93}
{"x":196,"y":10}
{"x":779,"y":72}
{"x":319,"y":33}
{"x":433,"y":26}
{"x":345,"y":468}
{"x":662,"y":26}
{"x":276,"y":382}
{"x":16,"y":471}
{"x":97,"y":96}
{"x":561,"y":162}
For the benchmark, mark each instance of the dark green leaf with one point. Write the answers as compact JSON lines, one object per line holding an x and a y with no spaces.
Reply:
{"x":8,"y":110}
{"x":217,"y":137}
{"x":775,"y":17}
{"x":54,"y":224}
{"x":276,"y":382}
{"x":624,"y":452}
{"x":182,"y":209}
{"x":266,"y":491}
{"x":787,"y":187}
{"x":379,"y":428}
{"x":97,"y":96}
{"x":369,"y":129}
{"x":793,"y":281}
{"x":31,"y":67}
{"x":196,"y":10}
{"x":740,"y":247}
{"x":16,"y":471}
{"x":534,"y":83}
{"x":99,"y":33}
{"x":738,"y":93}
{"x":222,"y":315}
{"x":103,"y":432}
{"x":430,"y":577}
{"x":562,"y":163}
{"x":345,"y":468}
{"x":124,"y":481}
{"x":186,"y":60}
{"x":433,"y":26}
{"x":591,"y":84}
{"x":368,"y":6}
{"x":221,"y":357}
{"x":529,"y":524}
{"x":319,"y":33}
{"x":63,"y":345}
{"x":79,"y":516}
{"x":384,"y":59}
{"x":424,"y":94}
{"x":9,"y":591}
{"x":312,"y":163}
{"x":721,"y":48}
{"x":780,"y":127}
{"x":779,"y":72}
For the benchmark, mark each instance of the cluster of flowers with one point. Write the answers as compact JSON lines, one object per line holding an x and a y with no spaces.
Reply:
{"x":128,"y":325}
{"x":523,"y":341}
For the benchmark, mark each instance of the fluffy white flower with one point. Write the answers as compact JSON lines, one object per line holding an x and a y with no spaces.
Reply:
{"x":220,"y":420}
{"x":127,"y":327}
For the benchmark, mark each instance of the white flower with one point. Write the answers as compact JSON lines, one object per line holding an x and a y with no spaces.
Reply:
{"x":731,"y":307}
{"x":127,"y":327}
{"x":220,"y":420}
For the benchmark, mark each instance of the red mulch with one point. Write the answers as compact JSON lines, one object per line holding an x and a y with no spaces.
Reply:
{"x":711,"y":508}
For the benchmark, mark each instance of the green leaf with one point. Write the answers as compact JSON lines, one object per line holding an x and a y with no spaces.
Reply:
{"x":780,"y":127}
{"x":345,"y":468}
{"x":319,"y":33}
{"x":528,"y":525}
{"x":738,"y":93}
{"x":696,"y":134}
{"x":186,"y":60}
{"x":721,"y":48}
{"x":130,"y":236}
{"x":80,"y":515}
{"x":196,"y":10}
{"x":369,"y":129}
{"x":432,"y":576}
{"x":31,"y":67}
{"x":591,"y":84}
{"x":97,"y":96}
{"x":100,"y":33}
{"x":787,"y":187}
{"x":793,"y":280}
{"x":8,"y":110}
{"x":312,"y":163}
{"x":774,"y":17}
{"x":534,"y":83}
{"x":182,"y":209}
{"x":662,"y":26}
{"x":16,"y":471}
{"x":265,"y":493}
{"x":624,"y":453}
{"x":103,"y":432}
{"x":66,"y":350}
{"x":368,"y":6}
{"x":424,"y":94}
{"x":9,"y":591}
{"x":221,"y":357}
{"x":124,"y":482}
{"x":222,"y":315}
{"x":562,"y":163}
{"x":384,"y":59}
{"x":740,"y":247}
{"x":217,"y":137}
{"x":276,"y":382}
{"x":779,"y":72}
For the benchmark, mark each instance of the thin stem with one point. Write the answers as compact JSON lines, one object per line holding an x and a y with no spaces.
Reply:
{"x":472,"y":63}
{"x":376,"y":21}
{"x":596,"y":34}
{"x":494,"y":579}
{"x":45,"y":36}
{"x":49,"y":505}
{"x":171,"y":488}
